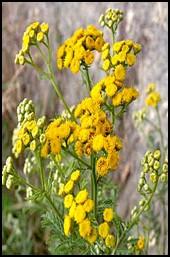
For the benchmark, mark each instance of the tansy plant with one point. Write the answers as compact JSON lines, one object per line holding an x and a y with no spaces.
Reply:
{"x":74,"y":154}
{"x":149,"y":115}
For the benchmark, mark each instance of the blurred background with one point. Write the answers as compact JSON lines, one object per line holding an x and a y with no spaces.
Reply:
{"x":145,"y":23}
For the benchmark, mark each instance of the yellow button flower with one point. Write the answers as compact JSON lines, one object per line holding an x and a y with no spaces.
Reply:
{"x":68,"y":186}
{"x":85,"y":228}
{"x":131,"y":59}
{"x":79,"y":214}
{"x":153,"y":99}
{"x":106,"y":65}
{"x":108,"y":214}
{"x":88,"y":57}
{"x":102,"y":166}
{"x":26,"y":139}
{"x":120,"y":72}
{"x":18,"y":146}
{"x":88,"y":205}
{"x":141,"y":243}
{"x":110,"y":241}
{"x":75,"y":175}
{"x":98,"y":142}
{"x":72,"y":209}
{"x":92,"y":237}
{"x":67,"y":225}
{"x":44,"y":27}
{"x":103,"y":229}
{"x":68,"y":199}
{"x":81,"y":196}
{"x":40,"y":36}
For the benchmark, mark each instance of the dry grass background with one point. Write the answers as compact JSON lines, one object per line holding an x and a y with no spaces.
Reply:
{"x":144,"y":22}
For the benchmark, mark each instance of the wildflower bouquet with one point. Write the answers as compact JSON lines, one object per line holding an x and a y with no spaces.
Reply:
{"x":73,"y":156}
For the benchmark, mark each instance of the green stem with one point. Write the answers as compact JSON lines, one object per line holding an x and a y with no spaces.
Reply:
{"x":27,"y":183}
{"x":42,"y":175}
{"x":86,"y":77}
{"x":54,"y":207}
{"x":76,"y":157}
{"x":94,"y":185}
{"x":136,"y":218}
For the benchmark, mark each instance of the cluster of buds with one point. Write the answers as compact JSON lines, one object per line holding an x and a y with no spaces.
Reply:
{"x":8,"y":173}
{"x":25,"y":111}
{"x":153,"y":96}
{"x":29,"y":130}
{"x":123,"y":52}
{"x":29,"y":193}
{"x":139,"y":116}
{"x":29,"y":165}
{"x":111,"y":18}
{"x":150,"y":165}
{"x":35,"y":33}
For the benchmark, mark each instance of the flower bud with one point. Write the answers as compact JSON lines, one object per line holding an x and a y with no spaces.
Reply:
{"x":142,"y":202}
{"x":153,"y":177}
{"x":9,"y":168}
{"x":150,"y":161}
{"x":139,"y":188}
{"x":145,"y":168}
{"x":30,"y":116}
{"x":164,"y":177}
{"x":147,"y":153}
{"x":41,"y":121}
{"x":25,"y":101}
{"x":9,"y":160}
{"x":4,"y":175}
{"x":146,"y":187}
{"x":22,"y":109}
{"x":142,"y":174}
{"x":9,"y":182}
{"x":165,"y":167}
{"x":141,"y":182}
{"x":20,"y":117}
{"x":156,"y":165}
{"x":101,"y":18}
{"x":42,"y":138}
{"x":151,"y":170}
{"x":33,"y":145}
{"x":157,"y":154}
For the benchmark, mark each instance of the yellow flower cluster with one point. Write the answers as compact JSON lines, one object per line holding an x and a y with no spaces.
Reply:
{"x":110,"y":86}
{"x":103,"y":228}
{"x":26,"y":136}
{"x":79,"y":48}
{"x":124,"y":52}
{"x":79,"y":206}
{"x":94,"y":134}
{"x":153,"y":96}
{"x":68,"y":187}
{"x":33,"y":34}
{"x":107,"y":86}
{"x":111,"y":17}
{"x":125,"y":96}
{"x":55,"y":134}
